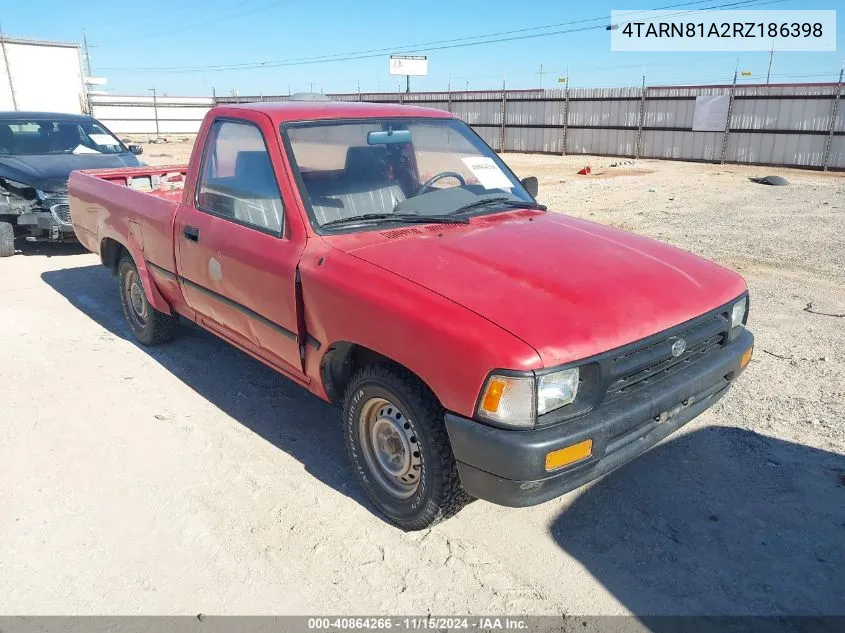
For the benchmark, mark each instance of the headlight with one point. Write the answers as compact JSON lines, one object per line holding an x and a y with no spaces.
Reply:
{"x":738,"y":312}
{"x":17,"y":185}
{"x":516,"y":401}
{"x":509,"y":401}
{"x":556,"y":390}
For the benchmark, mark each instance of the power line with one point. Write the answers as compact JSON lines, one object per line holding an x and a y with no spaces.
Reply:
{"x":229,"y":12}
{"x":183,"y":8}
{"x":462,"y":42}
{"x":395,"y":48}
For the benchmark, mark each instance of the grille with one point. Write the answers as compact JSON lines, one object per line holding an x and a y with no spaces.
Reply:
{"x":643,"y":366}
{"x":62,"y":213}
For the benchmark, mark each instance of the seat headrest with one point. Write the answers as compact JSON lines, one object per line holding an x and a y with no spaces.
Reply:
{"x":367,"y":162}
{"x":254,"y":168}
{"x":67,"y":130}
{"x":7,"y":138}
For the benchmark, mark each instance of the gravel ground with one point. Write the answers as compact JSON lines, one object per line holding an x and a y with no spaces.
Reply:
{"x":190,"y":479}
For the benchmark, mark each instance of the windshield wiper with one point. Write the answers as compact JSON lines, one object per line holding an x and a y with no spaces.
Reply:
{"x":378,"y":218}
{"x":499,"y":200}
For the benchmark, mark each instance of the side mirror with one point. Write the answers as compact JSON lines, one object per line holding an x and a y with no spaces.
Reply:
{"x":136,"y":149}
{"x":531,"y":185}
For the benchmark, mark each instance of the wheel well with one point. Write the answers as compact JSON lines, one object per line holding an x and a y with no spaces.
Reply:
{"x":343,"y":359}
{"x":111,"y":252}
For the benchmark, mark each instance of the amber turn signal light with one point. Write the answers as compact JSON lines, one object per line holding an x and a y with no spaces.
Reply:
{"x":495,"y":391}
{"x":569,"y":455}
{"x":746,"y":357}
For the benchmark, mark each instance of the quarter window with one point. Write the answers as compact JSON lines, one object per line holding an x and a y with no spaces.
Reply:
{"x":237,"y":180}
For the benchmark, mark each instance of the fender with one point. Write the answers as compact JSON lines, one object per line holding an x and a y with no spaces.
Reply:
{"x":154,"y":296}
{"x":136,"y":252}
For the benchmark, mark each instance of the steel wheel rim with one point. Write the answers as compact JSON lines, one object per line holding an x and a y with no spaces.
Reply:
{"x":135,"y":298}
{"x":390,"y":447}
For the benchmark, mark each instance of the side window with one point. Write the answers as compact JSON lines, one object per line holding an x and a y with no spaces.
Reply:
{"x":237,"y":180}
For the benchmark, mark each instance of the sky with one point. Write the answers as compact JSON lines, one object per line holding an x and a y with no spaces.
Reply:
{"x":178,"y":47}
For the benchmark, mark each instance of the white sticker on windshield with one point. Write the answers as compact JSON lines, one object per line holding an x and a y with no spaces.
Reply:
{"x":104,"y":139}
{"x":81,"y":149}
{"x":488,"y":172}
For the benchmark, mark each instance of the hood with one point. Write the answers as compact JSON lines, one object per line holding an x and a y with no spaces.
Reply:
{"x":49,"y":172}
{"x":567,"y":287}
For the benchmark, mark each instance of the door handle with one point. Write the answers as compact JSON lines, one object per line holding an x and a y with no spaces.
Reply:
{"x":192,"y":233}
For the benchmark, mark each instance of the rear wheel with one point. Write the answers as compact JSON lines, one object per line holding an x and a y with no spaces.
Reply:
{"x":399,"y":448}
{"x":7,"y":239}
{"x":149,"y":326}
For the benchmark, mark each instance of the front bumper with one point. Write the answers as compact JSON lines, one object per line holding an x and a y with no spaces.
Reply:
{"x":53,"y":220}
{"x":508,"y":466}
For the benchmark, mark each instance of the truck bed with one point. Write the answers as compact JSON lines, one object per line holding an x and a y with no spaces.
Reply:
{"x":135,"y":205}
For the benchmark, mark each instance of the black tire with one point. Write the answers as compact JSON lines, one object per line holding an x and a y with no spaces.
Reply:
{"x":149,"y":326}
{"x":438,"y":493}
{"x":7,"y":239}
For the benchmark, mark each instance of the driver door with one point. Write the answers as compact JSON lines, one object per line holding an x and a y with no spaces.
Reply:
{"x":237,"y":263}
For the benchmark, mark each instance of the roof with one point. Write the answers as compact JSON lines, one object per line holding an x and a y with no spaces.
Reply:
{"x":283,"y":111}
{"x":49,"y":43}
{"x":56,"y":116}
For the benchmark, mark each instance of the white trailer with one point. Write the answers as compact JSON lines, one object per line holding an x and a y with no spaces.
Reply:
{"x":40,"y":75}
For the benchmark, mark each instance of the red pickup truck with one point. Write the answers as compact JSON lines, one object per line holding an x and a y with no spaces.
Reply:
{"x":387,"y":260}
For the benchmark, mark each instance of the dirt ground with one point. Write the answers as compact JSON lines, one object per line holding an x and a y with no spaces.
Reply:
{"x":189,"y":478}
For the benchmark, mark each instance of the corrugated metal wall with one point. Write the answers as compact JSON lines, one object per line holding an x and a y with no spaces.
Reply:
{"x":777,"y":124}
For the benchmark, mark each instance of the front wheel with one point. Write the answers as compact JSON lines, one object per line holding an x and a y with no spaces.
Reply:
{"x":7,"y":239}
{"x":149,"y":326}
{"x":399,"y":448}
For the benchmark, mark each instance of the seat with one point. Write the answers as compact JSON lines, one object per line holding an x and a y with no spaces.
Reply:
{"x":66,"y":137}
{"x":7,"y":140}
{"x":258,"y":201}
{"x":364,"y":187}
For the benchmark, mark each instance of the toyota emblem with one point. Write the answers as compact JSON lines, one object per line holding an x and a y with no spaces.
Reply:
{"x":678,"y":347}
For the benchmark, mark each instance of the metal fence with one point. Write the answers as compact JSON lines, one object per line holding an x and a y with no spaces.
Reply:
{"x":799,"y":125}
{"x":150,"y":114}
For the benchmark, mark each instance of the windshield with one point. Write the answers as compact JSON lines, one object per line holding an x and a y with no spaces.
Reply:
{"x":409,"y":168}
{"x":57,"y":136}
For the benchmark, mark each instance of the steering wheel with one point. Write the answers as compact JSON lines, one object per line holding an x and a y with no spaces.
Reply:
{"x":443,"y":174}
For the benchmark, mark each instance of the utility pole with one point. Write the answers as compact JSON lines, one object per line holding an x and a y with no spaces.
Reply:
{"x":771,"y":55}
{"x":311,"y":87}
{"x":832,"y":127}
{"x":8,"y":70}
{"x":503,"y":114}
{"x":407,"y":83}
{"x":730,"y":113}
{"x":641,"y":118}
{"x":88,"y":71}
{"x":541,"y":76}
{"x":155,"y":108}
